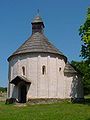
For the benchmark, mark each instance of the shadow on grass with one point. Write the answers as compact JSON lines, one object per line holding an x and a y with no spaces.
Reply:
{"x":87,"y":102}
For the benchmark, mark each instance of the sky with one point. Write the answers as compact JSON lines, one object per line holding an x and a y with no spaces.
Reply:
{"x":62,"y":19}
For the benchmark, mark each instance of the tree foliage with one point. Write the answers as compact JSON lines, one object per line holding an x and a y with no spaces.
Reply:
{"x":84,"y":66}
{"x":84,"y":32}
{"x":3,"y":89}
{"x":85,"y":72}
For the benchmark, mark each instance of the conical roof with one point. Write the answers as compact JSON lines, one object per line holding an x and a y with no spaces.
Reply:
{"x":37,"y":19}
{"x":37,"y":42}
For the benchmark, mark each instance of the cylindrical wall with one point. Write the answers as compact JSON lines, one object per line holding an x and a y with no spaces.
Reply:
{"x":52,"y":84}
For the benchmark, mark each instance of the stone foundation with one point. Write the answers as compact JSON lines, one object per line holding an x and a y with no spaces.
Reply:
{"x":47,"y":100}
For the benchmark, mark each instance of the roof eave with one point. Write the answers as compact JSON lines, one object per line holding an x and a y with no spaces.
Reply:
{"x":9,"y":58}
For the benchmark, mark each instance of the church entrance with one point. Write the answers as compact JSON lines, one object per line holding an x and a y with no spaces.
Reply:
{"x":22,"y":84}
{"x":23,"y":93}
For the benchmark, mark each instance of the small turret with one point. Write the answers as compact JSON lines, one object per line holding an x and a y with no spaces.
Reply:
{"x":37,"y":25}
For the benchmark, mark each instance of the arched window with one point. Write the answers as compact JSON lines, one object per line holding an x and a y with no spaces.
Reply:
{"x":43,"y":69}
{"x":23,"y":70}
{"x":59,"y":69}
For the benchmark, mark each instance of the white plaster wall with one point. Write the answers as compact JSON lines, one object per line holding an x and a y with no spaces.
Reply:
{"x":42,"y":82}
{"x":68,"y":85}
{"x":53,"y":78}
{"x":32,"y":76}
{"x":51,"y":85}
{"x":61,"y":79}
{"x":74,"y":88}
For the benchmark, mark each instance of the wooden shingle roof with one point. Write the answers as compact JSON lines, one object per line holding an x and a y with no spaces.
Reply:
{"x":37,"y":42}
{"x":69,"y":68}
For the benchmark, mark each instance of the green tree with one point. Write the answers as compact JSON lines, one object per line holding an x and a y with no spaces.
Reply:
{"x":84,"y":32}
{"x":84,"y":66}
{"x":85,"y":72}
{"x":3,"y":89}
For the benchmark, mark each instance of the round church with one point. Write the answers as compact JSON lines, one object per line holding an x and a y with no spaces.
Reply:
{"x":37,"y":69}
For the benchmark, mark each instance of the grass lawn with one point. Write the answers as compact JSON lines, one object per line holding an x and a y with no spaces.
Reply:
{"x":56,"y":111}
